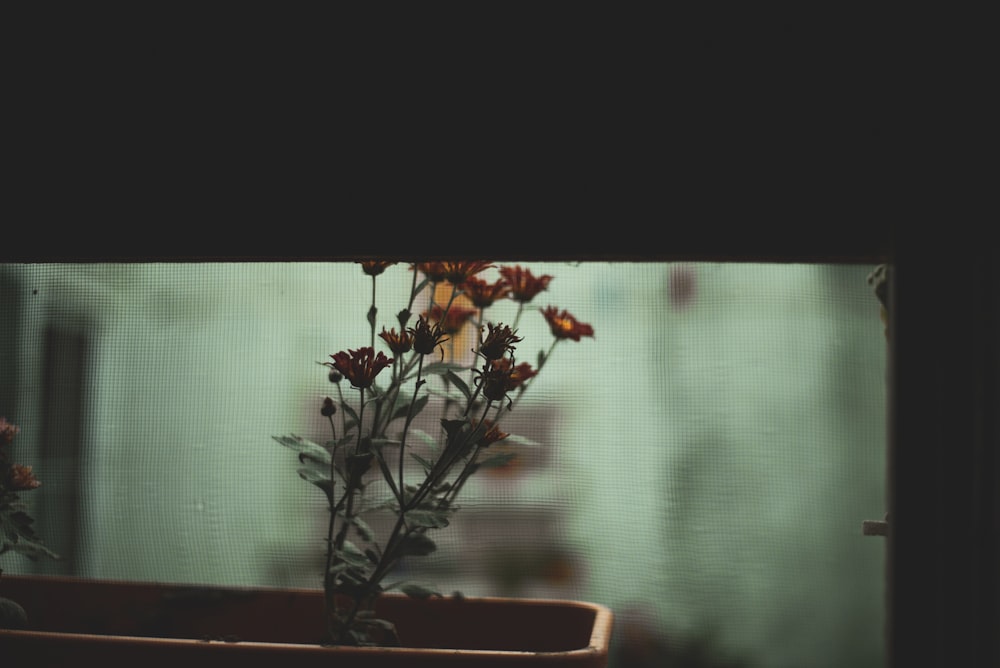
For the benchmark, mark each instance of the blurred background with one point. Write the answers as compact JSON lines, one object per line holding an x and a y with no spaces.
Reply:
{"x":702,"y":465}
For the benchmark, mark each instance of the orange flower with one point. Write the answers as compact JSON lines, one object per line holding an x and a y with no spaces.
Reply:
{"x":398,"y":343}
{"x":360,"y":366}
{"x":564,"y":325}
{"x":523,"y":284}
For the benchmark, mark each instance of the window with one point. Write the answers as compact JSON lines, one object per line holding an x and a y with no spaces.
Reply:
{"x":704,"y":464}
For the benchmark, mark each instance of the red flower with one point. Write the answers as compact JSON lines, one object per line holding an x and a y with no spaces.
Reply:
{"x":482,"y":293}
{"x":360,"y":366}
{"x":523,"y":284}
{"x":564,"y":325}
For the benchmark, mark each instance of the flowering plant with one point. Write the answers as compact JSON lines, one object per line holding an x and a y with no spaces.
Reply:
{"x":373,"y":437}
{"x":16,"y":532}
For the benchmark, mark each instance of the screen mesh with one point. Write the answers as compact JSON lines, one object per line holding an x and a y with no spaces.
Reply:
{"x":702,"y":464}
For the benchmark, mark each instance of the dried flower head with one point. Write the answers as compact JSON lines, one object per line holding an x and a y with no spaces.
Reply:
{"x":426,"y":337}
{"x":499,"y":342}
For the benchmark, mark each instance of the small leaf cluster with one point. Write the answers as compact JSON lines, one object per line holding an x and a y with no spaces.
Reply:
{"x":16,"y":531}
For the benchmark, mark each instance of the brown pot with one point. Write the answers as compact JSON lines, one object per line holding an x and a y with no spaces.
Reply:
{"x":82,"y":622}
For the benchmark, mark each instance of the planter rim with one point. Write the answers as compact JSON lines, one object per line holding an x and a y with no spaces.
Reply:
{"x":598,"y":643}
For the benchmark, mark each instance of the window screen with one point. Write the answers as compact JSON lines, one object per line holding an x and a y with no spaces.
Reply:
{"x":702,"y":465}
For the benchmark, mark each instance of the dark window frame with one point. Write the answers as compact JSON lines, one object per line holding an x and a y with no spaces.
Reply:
{"x":943,"y":545}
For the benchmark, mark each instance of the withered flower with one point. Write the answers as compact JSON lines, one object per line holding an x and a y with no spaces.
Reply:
{"x":360,"y":366}
{"x":374,"y":267}
{"x":523,"y":284}
{"x":426,"y":337}
{"x":498,"y":342}
{"x":564,"y":325}
{"x":482,"y":293}
{"x":398,"y":343}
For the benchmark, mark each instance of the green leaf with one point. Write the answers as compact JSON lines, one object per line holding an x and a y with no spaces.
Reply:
{"x":34,"y":550}
{"x":441,"y":368}
{"x":423,"y":462}
{"x":418,"y":591}
{"x":306,"y":448}
{"x":322,"y":480}
{"x":379,"y":443}
{"x":428,"y":519}
{"x":350,"y":411}
{"x":460,"y":384}
{"x":513,"y":439}
{"x":497,"y":460}
{"x":364,"y":530}
{"x":427,"y":439}
{"x":417,"y":544}
{"x":314,"y":473}
{"x":454,"y":428}
{"x":350,"y":554}
{"x":402,"y":407}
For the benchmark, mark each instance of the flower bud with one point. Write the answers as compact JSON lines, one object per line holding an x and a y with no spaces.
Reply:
{"x":328,"y":408}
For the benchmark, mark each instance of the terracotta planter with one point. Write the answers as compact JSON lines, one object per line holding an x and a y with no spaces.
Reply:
{"x":85,"y":622}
